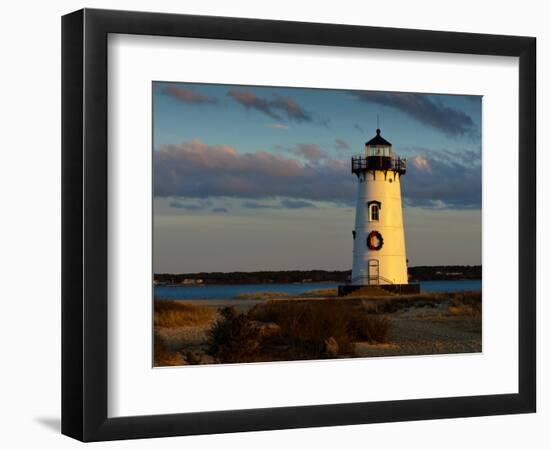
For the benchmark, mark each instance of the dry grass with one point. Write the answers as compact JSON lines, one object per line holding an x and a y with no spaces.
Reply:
{"x":304,"y":327}
{"x":453,"y":300}
{"x":261,"y":295}
{"x":465,"y":305}
{"x":171,"y":314}
{"x":328,"y":292}
{"x":371,"y":328}
{"x":164,"y":357}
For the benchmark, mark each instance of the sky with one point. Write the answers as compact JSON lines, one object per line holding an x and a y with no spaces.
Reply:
{"x":259,"y":178}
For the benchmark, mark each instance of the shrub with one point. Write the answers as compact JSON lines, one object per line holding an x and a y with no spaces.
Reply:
{"x":307,"y":325}
{"x":297,"y":330}
{"x":233,"y":338}
{"x":265,"y":312}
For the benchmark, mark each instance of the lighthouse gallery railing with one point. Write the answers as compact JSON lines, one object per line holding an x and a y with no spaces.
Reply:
{"x":361,"y":163}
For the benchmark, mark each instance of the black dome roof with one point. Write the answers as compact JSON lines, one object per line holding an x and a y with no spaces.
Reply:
{"x":378,"y":140}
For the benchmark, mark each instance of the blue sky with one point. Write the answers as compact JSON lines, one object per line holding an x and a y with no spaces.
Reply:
{"x":258,"y":178}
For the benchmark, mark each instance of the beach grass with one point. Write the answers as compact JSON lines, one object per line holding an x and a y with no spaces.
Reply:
{"x":261,"y":295}
{"x":319,"y":320}
{"x":327,"y":292}
{"x":456,"y":303}
{"x":173,"y":313}
{"x":162,"y":356}
{"x":465,"y":304}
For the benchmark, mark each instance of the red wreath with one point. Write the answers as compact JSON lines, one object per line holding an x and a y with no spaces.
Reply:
{"x":375,"y":240}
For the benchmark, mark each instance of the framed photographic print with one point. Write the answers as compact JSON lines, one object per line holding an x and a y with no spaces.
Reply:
{"x":273,"y":224}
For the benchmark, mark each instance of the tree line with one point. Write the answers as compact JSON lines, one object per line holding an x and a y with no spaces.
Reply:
{"x":419,"y":273}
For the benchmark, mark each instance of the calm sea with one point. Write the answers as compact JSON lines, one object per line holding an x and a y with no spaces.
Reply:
{"x":229,"y":291}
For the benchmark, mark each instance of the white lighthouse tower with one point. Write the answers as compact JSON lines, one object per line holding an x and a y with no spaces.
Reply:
{"x":379,"y":256}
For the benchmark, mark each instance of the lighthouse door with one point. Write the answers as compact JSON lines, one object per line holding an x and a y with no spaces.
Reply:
{"x":374,"y":273}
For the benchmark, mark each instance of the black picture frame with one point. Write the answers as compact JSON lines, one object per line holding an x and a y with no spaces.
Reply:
{"x":84,"y":224}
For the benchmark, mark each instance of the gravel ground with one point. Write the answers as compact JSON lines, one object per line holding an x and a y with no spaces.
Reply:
{"x":426,"y":336}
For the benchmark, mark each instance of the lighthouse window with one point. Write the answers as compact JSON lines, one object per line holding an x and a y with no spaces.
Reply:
{"x":374,"y":212}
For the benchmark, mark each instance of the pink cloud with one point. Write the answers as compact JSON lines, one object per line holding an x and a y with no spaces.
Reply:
{"x":311,"y":152}
{"x":187,"y":95}
{"x":194,"y":169}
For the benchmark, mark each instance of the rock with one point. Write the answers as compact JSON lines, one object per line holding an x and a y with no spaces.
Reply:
{"x":193,"y":357}
{"x":331,"y":347}
{"x":199,"y":358}
{"x":207,"y":359}
{"x":269,"y":328}
{"x":266,"y":329}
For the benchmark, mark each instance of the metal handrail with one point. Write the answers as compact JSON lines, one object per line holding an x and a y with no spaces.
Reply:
{"x":386,"y":280}
{"x":368,"y":278}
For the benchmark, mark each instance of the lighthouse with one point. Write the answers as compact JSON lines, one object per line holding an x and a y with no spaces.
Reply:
{"x":379,"y":253}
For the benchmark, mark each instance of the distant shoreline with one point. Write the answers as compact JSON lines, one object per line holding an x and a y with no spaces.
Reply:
{"x":308,"y":283}
{"x":244,"y":284}
{"x":416,"y":274}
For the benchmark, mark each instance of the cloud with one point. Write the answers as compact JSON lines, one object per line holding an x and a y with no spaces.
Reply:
{"x":341,"y":144}
{"x":296,"y":204}
{"x":277,"y":107}
{"x":427,"y":110}
{"x":310,"y":152}
{"x":279,"y":126}
{"x":202,"y":205}
{"x":255,"y":205}
{"x":249,"y":100}
{"x":284,"y":203}
{"x":291,"y":108}
{"x":440,"y":180}
{"x":465,"y":157}
{"x":421,"y":163}
{"x":196,"y":170}
{"x":188,"y":96}
{"x":188,"y":207}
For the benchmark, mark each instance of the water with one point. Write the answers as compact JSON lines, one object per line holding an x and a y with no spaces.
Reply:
{"x":230,"y":291}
